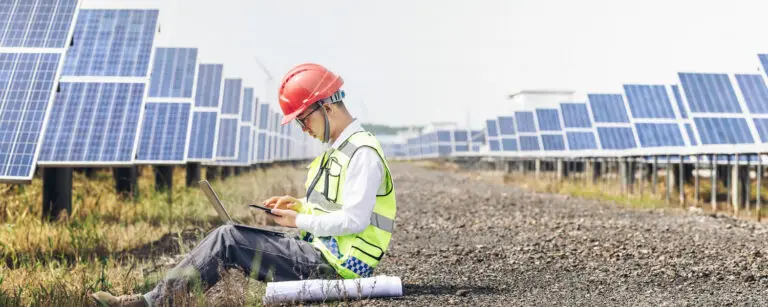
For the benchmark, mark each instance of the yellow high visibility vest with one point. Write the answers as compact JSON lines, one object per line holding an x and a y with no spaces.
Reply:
{"x":353,"y":255}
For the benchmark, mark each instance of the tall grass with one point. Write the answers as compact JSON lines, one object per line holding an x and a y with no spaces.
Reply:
{"x":107,"y":243}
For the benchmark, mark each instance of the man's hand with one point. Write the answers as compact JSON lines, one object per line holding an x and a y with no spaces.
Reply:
{"x":286,"y":218}
{"x":283,"y":203}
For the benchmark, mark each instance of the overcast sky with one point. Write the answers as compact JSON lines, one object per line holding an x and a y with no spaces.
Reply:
{"x":403,"y":60}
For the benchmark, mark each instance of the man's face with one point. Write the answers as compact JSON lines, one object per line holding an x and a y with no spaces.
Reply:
{"x":311,"y":121}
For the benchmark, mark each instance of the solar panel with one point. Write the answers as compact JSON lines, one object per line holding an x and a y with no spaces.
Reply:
{"x":202,"y":136}
{"x":105,"y":130}
{"x":579,"y":140}
{"x":529,"y":143}
{"x":461,"y":141}
{"x":755,"y":92}
{"x":232,"y":96}
{"x":659,"y":135}
{"x":525,"y":121}
{"x":575,"y":115}
{"x":508,"y":133}
{"x":648,"y":101}
{"x":208,"y":91}
{"x":36,"y":23}
{"x":717,"y":110}
{"x":548,"y":119}
{"x":616,"y":138}
{"x":173,"y":73}
{"x":552,"y":142}
{"x":164,"y":132}
{"x":113,"y":48}
{"x":764,"y":60}
{"x":243,"y":148}
{"x":679,"y":101}
{"x":227,"y":139}
{"x":116,"y":43}
{"x":712,"y":93}
{"x":691,"y":135}
{"x":247,"y":114}
{"x":577,"y":124}
{"x":37,"y":33}
{"x":608,"y":108}
{"x":492,"y":131}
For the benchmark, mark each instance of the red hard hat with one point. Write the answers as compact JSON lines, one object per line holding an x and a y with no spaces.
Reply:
{"x":304,"y":85}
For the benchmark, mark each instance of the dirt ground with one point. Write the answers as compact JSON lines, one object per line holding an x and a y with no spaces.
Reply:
{"x":463,"y":240}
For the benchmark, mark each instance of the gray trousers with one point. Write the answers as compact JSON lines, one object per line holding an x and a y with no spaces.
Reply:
{"x":263,"y":254}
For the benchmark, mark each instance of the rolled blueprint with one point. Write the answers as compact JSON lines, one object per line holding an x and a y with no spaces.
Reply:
{"x":332,"y":289}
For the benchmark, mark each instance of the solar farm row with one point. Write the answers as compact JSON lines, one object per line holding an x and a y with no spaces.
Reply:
{"x":704,"y":114}
{"x":89,"y":87}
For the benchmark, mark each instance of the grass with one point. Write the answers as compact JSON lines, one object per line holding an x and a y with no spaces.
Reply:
{"x":107,"y":243}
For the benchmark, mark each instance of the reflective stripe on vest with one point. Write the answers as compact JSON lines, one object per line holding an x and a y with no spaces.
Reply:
{"x":349,"y":149}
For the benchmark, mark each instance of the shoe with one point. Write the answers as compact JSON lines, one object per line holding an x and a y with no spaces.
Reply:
{"x":106,"y":299}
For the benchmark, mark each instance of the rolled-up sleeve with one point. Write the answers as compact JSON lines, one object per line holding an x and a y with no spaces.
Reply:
{"x":363,"y":178}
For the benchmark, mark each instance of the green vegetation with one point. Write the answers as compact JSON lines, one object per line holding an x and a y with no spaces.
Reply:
{"x":111,"y":244}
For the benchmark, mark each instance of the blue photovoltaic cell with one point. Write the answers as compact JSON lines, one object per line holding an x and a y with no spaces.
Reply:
{"x":764,"y":61}
{"x":26,"y":83}
{"x":608,"y":108}
{"x":509,"y":144}
{"x":490,"y":126}
{"x":549,"y":120}
{"x":578,"y":140}
{"x":227,"y":138}
{"x":616,"y":138}
{"x":494,"y":144}
{"x":107,"y":122}
{"x":648,"y":101}
{"x":507,"y":125}
{"x":202,"y":136}
{"x":575,"y":115}
{"x":762,"y":129}
{"x":723,"y":130}
{"x":247,"y":114}
{"x":164,"y":132}
{"x":444,"y":150}
{"x":712,"y":93}
{"x":659,"y":135}
{"x":208,"y":91}
{"x":443,"y":136}
{"x":264,"y":117}
{"x":232,"y":96}
{"x":460,"y":136}
{"x":525,"y":121}
{"x":173,"y":72}
{"x":529,"y":143}
{"x":110,"y":42}
{"x":36,"y":23}
{"x":245,"y":144}
{"x":691,"y":136}
{"x":478,"y":137}
{"x":755,"y":92}
{"x":262,"y":148}
{"x":552,"y":142}
{"x":679,"y":101}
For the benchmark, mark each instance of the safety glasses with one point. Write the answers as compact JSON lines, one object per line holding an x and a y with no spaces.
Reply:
{"x":302,"y":120}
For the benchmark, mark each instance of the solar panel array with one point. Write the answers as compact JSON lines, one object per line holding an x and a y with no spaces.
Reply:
{"x":38,"y":33}
{"x":88,"y":87}
{"x":706,"y":113}
{"x":106,"y":71}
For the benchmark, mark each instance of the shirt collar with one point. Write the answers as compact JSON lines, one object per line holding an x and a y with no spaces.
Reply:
{"x":353,"y":127}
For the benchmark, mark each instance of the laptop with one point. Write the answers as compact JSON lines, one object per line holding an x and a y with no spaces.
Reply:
{"x":215,"y":202}
{"x":223,"y":214}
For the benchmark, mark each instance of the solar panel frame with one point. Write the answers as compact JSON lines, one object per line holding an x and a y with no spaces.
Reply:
{"x":168,"y":96}
{"x":612,"y":125}
{"x":207,"y":100}
{"x":29,"y":154}
{"x":578,"y":125}
{"x":702,"y":120}
{"x":657,"y":119}
{"x":106,"y":79}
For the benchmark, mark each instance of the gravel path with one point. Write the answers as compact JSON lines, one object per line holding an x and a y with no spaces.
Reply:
{"x":463,"y":241}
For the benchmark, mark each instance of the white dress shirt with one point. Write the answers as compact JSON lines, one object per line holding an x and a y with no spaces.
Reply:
{"x":365,"y":174}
